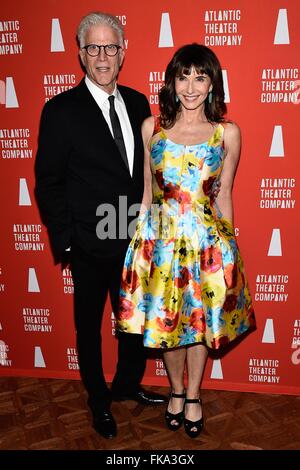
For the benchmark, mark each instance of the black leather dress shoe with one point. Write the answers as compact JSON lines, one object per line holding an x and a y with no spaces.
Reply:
{"x":141,"y":396}
{"x":105,"y":424}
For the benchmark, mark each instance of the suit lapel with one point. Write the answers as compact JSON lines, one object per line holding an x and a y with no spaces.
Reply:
{"x":135,"y":126}
{"x":88,"y":103}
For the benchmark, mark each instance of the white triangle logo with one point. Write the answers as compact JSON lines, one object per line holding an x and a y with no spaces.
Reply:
{"x":275,"y":244}
{"x":216,"y":371}
{"x":24,"y":198}
{"x":165,"y":35}
{"x":38,"y":357}
{"x":277,"y":148}
{"x":113,"y":316}
{"x":11,"y":100}
{"x":282,"y":28}
{"x":268,"y":336}
{"x":33,"y":285}
{"x":57,"y":43}
{"x":226,"y":87}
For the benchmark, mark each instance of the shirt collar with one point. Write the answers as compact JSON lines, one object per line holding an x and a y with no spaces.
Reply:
{"x":100,"y":95}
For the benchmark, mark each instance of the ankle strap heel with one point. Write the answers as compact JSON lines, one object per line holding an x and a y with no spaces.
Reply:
{"x":193,"y":428}
{"x":174,"y":421}
{"x":193,"y":400}
{"x":177,"y":395}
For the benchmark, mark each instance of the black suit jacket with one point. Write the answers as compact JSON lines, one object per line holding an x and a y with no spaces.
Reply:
{"x":78,"y":167}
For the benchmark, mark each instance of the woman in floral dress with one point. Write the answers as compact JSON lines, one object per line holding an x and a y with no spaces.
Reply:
{"x":183,"y":284}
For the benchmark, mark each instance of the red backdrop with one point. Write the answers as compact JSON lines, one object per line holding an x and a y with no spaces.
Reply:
{"x":258,"y":44}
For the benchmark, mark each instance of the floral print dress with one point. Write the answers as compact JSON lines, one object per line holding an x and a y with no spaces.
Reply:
{"x":183,"y":280}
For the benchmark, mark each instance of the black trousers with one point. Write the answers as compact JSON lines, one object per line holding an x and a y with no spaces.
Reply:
{"x":93,"y":279}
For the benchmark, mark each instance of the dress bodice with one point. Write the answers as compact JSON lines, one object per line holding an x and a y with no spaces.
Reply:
{"x":185,"y":173}
{"x":182,"y":183}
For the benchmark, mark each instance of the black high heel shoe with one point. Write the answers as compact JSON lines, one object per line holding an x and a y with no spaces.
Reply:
{"x":190,"y":425}
{"x":178,"y":417}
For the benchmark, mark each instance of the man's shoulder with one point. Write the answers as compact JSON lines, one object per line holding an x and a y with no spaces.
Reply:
{"x":131,"y":92}
{"x":65,"y":97}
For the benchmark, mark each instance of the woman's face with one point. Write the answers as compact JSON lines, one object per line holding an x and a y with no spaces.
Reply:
{"x":192,"y":89}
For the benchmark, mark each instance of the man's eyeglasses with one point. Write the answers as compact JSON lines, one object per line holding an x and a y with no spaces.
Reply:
{"x":109,"y":49}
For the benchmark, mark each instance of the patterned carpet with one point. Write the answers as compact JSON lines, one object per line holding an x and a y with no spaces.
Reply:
{"x":48,"y":414}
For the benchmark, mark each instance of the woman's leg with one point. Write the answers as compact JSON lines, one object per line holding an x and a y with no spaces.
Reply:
{"x":196,"y":360}
{"x":175,"y":362}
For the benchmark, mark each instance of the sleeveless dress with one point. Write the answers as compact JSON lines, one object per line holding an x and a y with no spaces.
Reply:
{"x":183,"y":279}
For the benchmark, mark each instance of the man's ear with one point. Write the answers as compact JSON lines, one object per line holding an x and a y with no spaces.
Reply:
{"x":121,"y":56}
{"x":82,"y":56}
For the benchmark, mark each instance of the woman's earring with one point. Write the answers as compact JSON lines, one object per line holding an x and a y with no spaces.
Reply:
{"x":210,"y":97}
{"x":176,"y":99}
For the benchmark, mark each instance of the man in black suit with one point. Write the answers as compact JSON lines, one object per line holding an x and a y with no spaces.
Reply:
{"x":90,"y":153}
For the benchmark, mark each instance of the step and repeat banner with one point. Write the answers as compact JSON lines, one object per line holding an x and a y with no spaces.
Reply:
{"x":258,"y":44}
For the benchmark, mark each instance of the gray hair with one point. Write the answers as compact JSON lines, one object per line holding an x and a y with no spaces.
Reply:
{"x":96,"y":18}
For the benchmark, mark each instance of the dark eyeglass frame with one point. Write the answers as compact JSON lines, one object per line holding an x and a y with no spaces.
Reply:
{"x":105,"y":48}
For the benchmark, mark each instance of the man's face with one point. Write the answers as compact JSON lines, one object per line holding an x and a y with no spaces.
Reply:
{"x":102,"y":70}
